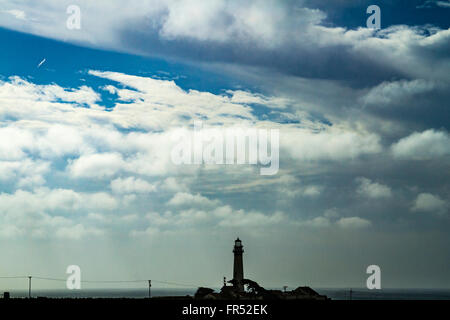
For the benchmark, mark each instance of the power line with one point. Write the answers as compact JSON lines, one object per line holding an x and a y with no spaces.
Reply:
{"x":103,"y":281}
{"x":177,"y":284}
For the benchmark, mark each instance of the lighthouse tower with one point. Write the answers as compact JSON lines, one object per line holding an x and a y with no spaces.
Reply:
{"x":238,"y":269}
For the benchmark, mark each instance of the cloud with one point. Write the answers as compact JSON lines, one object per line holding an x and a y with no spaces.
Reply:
{"x":424,"y":145}
{"x":10,"y":232}
{"x":18,"y":14}
{"x":287,"y":186}
{"x":318,"y":222}
{"x":329,"y":144}
{"x":443,"y":4}
{"x":190,"y":104}
{"x":122,"y":149}
{"x":218,"y":218}
{"x":131,"y":185}
{"x":102,"y":150}
{"x":44,"y":199}
{"x":47,"y":213}
{"x":25,"y":173}
{"x":312,"y":191}
{"x":397,"y":91}
{"x":434,"y":3}
{"x":148,"y":232}
{"x":184,"y":199}
{"x":172,"y":184}
{"x":239,"y":218}
{"x":331,"y":219}
{"x":353,"y":223}
{"x":291,"y":38}
{"x":96,"y":165}
{"x":246,"y":97}
{"x":372,"y":190}
{"x":78,"y":232}
{"x":18,"y":90}
{"x":427,"y":202}
{"x":13,"y":141}
{"x":331,"y":213}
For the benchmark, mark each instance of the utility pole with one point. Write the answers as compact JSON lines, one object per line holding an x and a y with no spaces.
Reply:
{"x":29,"y":287}
{"x":149,"y":289}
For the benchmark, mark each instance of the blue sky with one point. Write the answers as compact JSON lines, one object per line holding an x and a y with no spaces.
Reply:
{"x":350,"y":14}
{"x":85,"y":140}
{"x":67,"y":64}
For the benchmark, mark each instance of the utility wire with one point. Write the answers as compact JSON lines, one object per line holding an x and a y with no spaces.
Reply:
{"x":105,"y":281}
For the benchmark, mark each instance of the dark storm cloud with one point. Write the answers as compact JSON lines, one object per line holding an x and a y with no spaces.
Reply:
{"x":306,"y":44}
{"x":418,"y":111}
{"x":334,"y":62}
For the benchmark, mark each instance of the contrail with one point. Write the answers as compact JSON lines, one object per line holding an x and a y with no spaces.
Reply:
{"x":41,"y":63}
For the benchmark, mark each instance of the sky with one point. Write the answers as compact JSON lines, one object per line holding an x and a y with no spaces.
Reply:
{"x":87,"y":118}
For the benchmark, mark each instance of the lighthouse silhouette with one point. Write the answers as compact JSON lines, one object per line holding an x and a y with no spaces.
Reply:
{"x":238,"y":269}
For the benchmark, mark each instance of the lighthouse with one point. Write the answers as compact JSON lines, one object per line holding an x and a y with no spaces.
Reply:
{"x":238,"y":269}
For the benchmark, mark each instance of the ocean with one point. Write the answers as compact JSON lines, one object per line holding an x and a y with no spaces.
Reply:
{"x":335,"y":294}
{"x":386,"y":294}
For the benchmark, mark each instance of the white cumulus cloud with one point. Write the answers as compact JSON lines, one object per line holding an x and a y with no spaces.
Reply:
{"x":353,"y":223}
{"x":427,"y":202}
{"x":428,"y":144}
{"x":374,"y":190}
